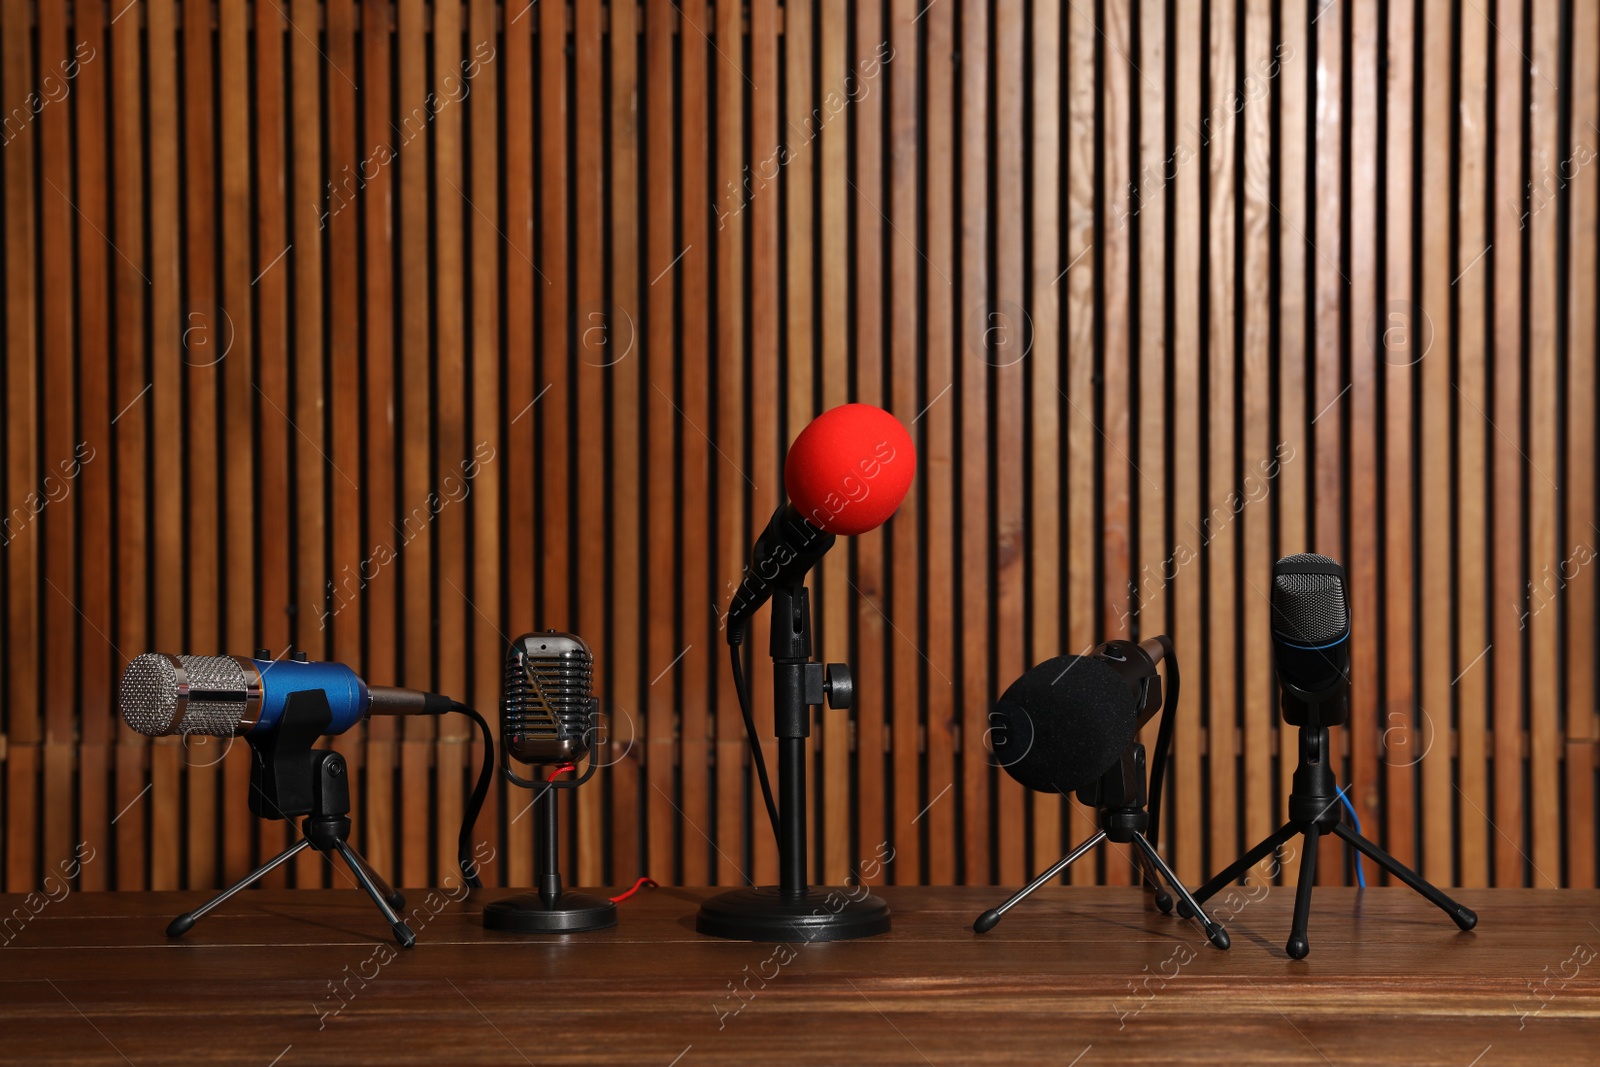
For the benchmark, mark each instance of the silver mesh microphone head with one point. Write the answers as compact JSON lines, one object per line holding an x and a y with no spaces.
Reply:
{"x":162,"y":695}
{"x":1309,"y":609}
{"x":545,"y":714}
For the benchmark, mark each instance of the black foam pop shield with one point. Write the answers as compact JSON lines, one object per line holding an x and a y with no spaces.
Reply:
{"x":1063,"y":724}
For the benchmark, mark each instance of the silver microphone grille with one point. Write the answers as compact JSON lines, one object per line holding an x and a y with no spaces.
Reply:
{"x":163,"y":695}
{"x":545,"y":712}
{"x":1309,"y":609}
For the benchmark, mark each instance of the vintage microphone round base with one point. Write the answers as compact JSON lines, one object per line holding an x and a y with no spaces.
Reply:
{"x":526,"y":913}
{"x":793,"y":910}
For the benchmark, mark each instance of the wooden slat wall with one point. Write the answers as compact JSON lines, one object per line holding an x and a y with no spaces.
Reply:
{"x":388,"y":330}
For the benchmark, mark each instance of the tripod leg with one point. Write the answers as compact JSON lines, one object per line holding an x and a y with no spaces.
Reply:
{"x":988,"y":919}
{"x":1231,"y":874}
{"x":402,"y":932}
{"x":397,"y":901}
{"x":1464,"y":917}
{"x":1298,"y":946}
{"x":1214,"y":930}
{"x":182,"y":924}
{"x":1153,"y":882}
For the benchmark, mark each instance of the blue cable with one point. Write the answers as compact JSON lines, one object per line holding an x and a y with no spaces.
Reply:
{"x":1361,"y":875}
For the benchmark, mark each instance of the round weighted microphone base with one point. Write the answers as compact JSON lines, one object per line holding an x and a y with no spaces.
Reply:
{"x":572,"y":913}
{"x":767,"y":913}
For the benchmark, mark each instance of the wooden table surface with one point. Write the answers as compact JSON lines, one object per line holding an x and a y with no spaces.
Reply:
{"x":1073,"y":976}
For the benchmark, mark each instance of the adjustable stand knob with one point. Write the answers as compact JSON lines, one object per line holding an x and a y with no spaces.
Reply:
{"x":839,"y":686}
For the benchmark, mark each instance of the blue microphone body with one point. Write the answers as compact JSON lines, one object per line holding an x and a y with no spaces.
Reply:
{"x":348,"y":696}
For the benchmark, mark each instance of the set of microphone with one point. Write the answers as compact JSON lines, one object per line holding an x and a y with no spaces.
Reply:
{"x":1068,"y":725}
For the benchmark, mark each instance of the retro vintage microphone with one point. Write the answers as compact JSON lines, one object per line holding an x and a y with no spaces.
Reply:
{"x":1068,"y":725}
{"x":1311,"y":650}
{"x":548,"y":716}
{"x":282,"y":708}
{"x":846,"y":473}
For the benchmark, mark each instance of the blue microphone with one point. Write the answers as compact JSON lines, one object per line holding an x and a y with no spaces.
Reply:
{"x":227,"y":696}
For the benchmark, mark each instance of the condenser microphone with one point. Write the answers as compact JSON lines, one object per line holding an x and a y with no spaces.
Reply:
{"x":1311,"y":635}
{"x":1063,"y":724}
{"x":225,"y":696}
{"x":547,"y":710}
{"x":845,"y":474}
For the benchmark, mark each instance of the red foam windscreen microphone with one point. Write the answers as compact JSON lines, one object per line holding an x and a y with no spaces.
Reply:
{"x":846,"y":473}
{"x":850,"y":468}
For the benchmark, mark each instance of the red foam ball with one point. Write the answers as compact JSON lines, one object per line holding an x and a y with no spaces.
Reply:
{"x":850,"y":468}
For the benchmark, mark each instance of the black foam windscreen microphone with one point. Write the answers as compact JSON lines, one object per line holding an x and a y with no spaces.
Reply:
{"x":547,"y":710}
{"x":1064,"y":723}
{"x":1310,"y":624}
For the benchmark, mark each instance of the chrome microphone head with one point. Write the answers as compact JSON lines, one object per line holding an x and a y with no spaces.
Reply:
{"x":217,"y":696}
{"x":547,"y":710}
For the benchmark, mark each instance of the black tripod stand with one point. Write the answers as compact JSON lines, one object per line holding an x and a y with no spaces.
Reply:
{"x":1314,"y":810}
{"x":289,"y":778}
{"x":1119,"y":801}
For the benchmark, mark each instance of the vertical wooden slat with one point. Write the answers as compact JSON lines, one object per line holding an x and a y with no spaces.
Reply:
{"x":727,"y":433}
{"x":1470,"y":399}
{"x":972,"y":387}
{"x":57,"y":525}
{"x":1078,"y":284}
{"x":664,"y":606}
{"x":1331,"y":401}
{"x":338,"y":615}
{"x":166,"y":407}
{"x":239,"y":401}
{"x":487,"y":456}
{"x":382,"y":600}
{"x":1142,"y":207}
{"x":628,"y":627}
{"x":1219,"y":528}
{"x":1118,"y":84}
{"x":870,"y":236}
{"x":1187,"y":850}
{"x":905,"y":400}
{"x":1545,"y":558}
{"x":1296,"y":366}
{"x":766,"y":449}
{"x":99,"y":662}
{"x":413,"y":523}
{"x":1392,"y":339}
{"x":524,"y":286}
{"x":205,"y":343}
{"x":455,"y":452}
{"x":936,"y":457}
{"x":596,"y":330}
{"x":1043,"y":537}
{"x":1262,"y":465}
{"x":131,"y":402}
{"x":1008,"y":334}
{"x":1367,"y":486}
{"x":308,"y":447}
{"x":1501,"y":426}
{"x":832,"y":239}
{"x":704,"y":641}
{"x":1435,"y":852}
{"x":1582,"y":725}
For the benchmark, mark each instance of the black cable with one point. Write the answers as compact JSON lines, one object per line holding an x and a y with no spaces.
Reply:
{"x":469,"y":868}
{"x":1158,"y":764}
{"x":750,"y":732}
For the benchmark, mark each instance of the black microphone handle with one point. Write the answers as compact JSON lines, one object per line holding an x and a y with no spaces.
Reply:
{"x":394,"y":700}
